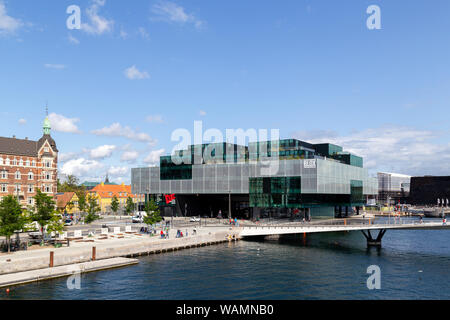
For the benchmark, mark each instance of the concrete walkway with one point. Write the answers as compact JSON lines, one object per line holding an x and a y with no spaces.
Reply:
{"x":128,"y":246}
{"x":63,"y":271}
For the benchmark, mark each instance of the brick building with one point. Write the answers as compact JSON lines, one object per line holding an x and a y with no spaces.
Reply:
{"x":26,"y":165}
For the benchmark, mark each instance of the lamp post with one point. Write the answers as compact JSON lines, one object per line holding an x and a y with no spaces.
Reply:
{"x":229,"y":204}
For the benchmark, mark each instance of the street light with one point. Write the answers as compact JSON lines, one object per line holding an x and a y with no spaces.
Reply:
{"x":229,"y":204}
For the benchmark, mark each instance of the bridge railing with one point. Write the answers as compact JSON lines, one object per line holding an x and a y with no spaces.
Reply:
{"x":343,"y":223}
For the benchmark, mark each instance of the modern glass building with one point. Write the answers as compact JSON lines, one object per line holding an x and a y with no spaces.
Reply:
{"x":272,"y":178}
{"x":393,"y":188}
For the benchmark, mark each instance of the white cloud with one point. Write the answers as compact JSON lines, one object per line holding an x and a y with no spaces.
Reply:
{"x":22,"y":121}
{"x":144,"y":34}
{"x":97,"y":24}
{"x":54,"y":66}
{"x":202,"y":113}
{"x":123,"y":34}
{"x":63,"y":157}
{"x":8,"y":24}
{"x":153,"y":157}
{"x":133,"y":73}
{"x":116,"y":130}
{"x":81,"y":167}
{"x":118,"y":171}
{"x":129,"y":156}
{"x":101,"y":152}
{"x":155,"y":119}
{"x":171,"y":12}
{"x":60,"y":123}
{"x":396,"y":149}
{"x":73,"y":40}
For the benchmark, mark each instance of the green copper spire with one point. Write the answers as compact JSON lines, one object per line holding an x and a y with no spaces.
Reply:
{"x":46,"y":125}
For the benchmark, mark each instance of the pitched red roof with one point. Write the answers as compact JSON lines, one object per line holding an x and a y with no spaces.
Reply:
{"x":62,"y":199}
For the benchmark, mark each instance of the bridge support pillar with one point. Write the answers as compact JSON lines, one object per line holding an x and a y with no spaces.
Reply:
{"x":371,"y":242}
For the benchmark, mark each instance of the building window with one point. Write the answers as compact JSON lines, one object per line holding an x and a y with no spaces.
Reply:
{"x":46,"y":149}
{"x":48,"y":164}
{"x":30,"y":201}
{"x":28,"y":163}
{"x":21,"y":163}
{"x":30,"y":176}
{"x":17,"y":175}
{"x":34,"y":163}
{"x":4,"y":175}
{"x":48,"y":188}
{"x":7,"y":161}
{"x":14,"y":162}
{"x":30,"y":188}
{"x":17,"y":188}
{"x":1,"y":161}
{"x":4,"y":188}
{"x":48,"y":176}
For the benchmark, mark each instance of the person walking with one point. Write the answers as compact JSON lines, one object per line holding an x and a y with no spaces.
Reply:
{"x":162,"y":234}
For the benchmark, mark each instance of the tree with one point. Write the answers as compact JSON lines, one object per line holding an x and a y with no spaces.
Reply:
{"x":11,"y":218}
{"x":93,"y":208}
{"x":70,"y":185}
{"x":152,"y":210}
{"x":114,"y":204}
{"x":82,"y":204}
{"x":44,"y":211}
{"x":129,"y":207}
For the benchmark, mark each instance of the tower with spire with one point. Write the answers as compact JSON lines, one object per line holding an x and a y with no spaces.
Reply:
{"x":47,"y":126}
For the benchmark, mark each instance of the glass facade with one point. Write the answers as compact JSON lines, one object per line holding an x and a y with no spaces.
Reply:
{"x":295,"y":174}
{"x":356,"y":193}
{"x":327,"y":149}
{"x":277,"y":192}
{"x":171,"y":171}
{"x":318,"y":176}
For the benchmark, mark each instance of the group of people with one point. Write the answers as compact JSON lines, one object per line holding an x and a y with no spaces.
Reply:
{"x":234,"y":222}
{"x":165,"y":235}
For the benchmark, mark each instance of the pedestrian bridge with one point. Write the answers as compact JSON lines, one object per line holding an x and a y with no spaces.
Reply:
{"x":365,"y":228}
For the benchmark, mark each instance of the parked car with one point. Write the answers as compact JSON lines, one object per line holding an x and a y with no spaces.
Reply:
{"x":137,"y":219}
{"x":195,"y":219}
{"x":68,"y":222}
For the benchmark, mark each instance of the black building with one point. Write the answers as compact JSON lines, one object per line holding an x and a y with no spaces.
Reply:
{"x":427,"y":190}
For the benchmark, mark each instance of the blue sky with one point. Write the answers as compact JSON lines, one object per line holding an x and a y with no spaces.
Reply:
{"x":138,"y":70}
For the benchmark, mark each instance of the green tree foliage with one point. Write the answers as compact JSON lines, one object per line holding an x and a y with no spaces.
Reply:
{"x":115,"y":204}
{"x":129,"y":207}
{"x":45,"y":214}
{"x":82,"y":203}
{"x":92,"y":209}
{"x":70,"y":185}
{"x":153,"y":215}
{"x":11,"y":218}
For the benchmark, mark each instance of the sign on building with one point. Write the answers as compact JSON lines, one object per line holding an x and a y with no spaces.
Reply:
{"x":309,"y":164}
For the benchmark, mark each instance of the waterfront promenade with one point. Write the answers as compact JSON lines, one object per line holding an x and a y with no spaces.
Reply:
{"x":101,"y":248}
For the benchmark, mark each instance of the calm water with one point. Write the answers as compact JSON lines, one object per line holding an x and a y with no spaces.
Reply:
{"x":414,"y":265}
